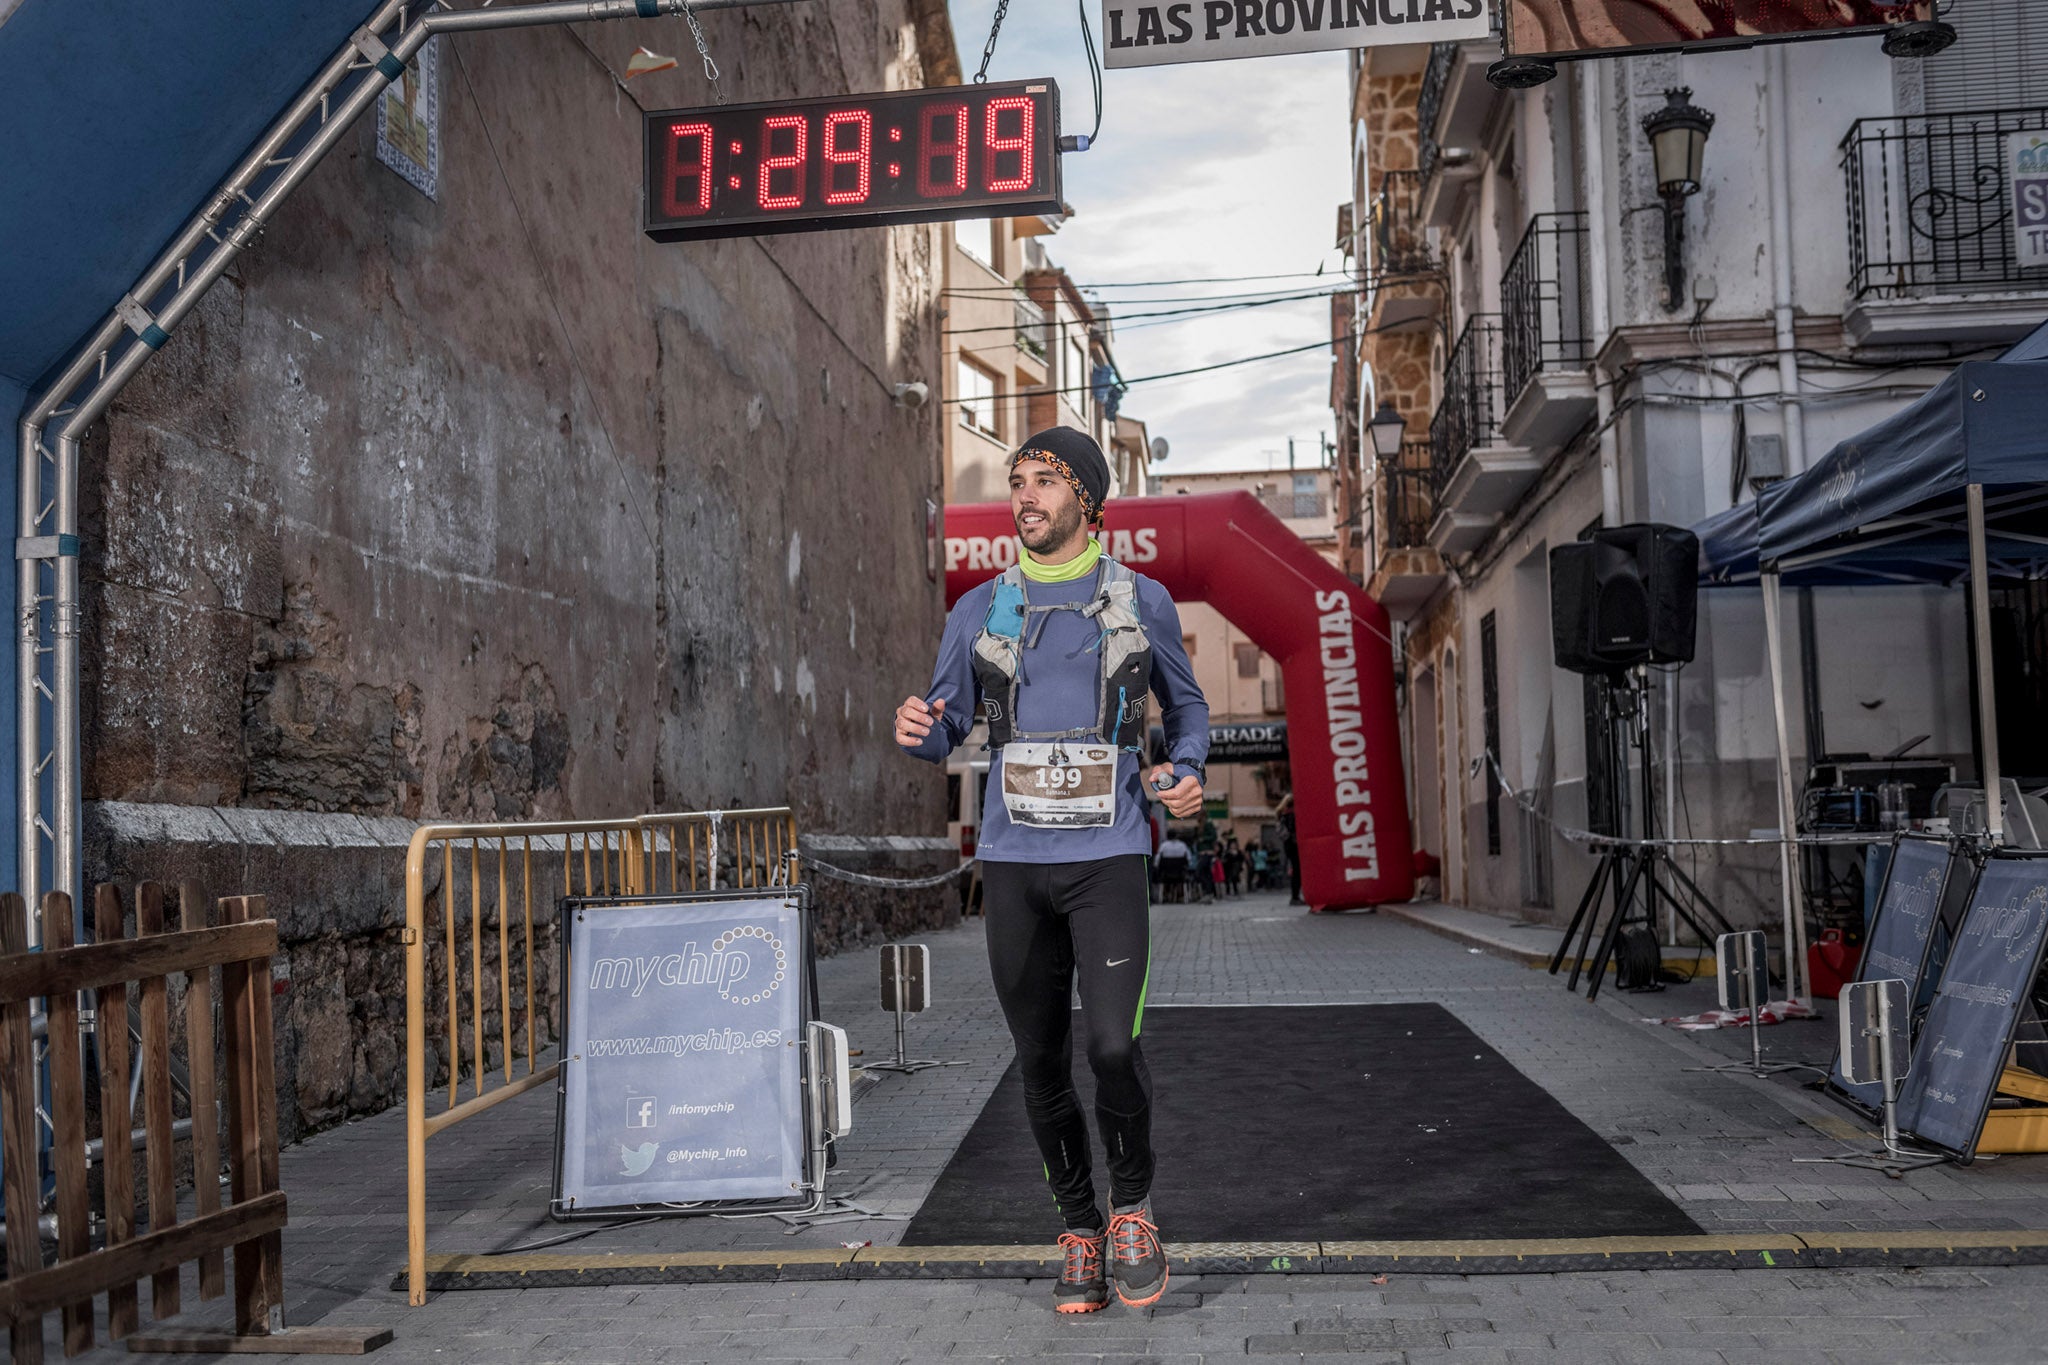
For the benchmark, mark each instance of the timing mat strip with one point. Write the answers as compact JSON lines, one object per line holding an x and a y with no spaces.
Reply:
{"x":1505,"y":1256}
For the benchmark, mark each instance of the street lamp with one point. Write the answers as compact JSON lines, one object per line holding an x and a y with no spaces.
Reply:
{"x":1386,"y":428}
{"x":1678,"y":144}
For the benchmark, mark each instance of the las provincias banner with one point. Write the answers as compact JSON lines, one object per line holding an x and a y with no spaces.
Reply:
{"x":1145,"y":33}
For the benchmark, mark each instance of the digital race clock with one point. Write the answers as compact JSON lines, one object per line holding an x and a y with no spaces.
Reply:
{"x":906,"y":156}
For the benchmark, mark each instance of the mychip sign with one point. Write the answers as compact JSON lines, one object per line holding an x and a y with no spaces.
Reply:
{"x":1144,"y":33}
{"x":1987,"y":984}
{"x":683,"y":1057}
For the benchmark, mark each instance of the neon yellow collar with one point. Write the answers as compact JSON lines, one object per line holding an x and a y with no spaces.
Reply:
{"x":1080,"y":566}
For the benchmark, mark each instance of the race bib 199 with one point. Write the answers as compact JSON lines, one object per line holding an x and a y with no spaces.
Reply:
{"x":1060,"y":785}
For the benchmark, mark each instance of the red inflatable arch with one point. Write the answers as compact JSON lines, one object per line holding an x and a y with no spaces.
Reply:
{"x":1336,"y":658}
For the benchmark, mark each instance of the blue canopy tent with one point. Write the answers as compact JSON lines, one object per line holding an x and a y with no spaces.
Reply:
{"x":1952,"y":488}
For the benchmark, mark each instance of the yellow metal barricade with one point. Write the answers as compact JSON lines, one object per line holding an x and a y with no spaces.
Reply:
{"x":494,"y":873}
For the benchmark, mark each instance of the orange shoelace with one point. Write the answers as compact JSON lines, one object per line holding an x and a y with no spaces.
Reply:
{"x":1133,"y":1235}
{"x":1084,"y":1256}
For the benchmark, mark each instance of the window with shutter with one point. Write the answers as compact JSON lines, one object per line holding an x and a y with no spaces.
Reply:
{"x":1999,"y":60}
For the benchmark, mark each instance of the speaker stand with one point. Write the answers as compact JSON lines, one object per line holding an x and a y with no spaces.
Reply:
{"x":1626,"y":868}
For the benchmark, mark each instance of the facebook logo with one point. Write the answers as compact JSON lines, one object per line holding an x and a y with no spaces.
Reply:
{"x":640,"y":1110}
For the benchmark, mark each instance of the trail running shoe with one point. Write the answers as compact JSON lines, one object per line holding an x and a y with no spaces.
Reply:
{"x":1136,"y":1259}
{"x":1081,"y":1288}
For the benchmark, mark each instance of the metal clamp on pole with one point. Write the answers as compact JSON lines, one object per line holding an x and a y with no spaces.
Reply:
{"x":906,"y":990}
{"x":1743,"y":969}
{"x":1877,"y":1049}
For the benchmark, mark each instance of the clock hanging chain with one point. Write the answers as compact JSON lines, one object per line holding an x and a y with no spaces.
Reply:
{"x":704,"y":51}
{"x":989,"y":51}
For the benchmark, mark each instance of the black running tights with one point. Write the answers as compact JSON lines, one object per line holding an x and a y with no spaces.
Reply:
{"x":1049,"y":925}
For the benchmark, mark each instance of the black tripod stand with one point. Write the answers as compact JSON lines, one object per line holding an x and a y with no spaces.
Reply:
{"x":1636,"y":874}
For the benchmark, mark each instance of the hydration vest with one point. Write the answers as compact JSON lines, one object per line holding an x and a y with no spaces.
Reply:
{"x":1123,"y":652}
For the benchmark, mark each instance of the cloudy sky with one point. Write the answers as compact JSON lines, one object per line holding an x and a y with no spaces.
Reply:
{"x":1203,"y":170}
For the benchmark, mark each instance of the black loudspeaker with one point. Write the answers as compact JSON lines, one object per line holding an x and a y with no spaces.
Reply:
{"x":1627,"y":595}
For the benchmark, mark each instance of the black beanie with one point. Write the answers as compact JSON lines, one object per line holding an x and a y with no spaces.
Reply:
{"x":1078,"y":459}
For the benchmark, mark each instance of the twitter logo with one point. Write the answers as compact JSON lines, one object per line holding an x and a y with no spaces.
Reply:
{"x":636,"y":1160}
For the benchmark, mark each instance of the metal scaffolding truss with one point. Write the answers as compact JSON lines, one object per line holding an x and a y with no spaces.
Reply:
{"x":136,"y":327}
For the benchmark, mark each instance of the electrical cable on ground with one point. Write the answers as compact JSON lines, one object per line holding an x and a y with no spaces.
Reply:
{"x":572,"y":1236}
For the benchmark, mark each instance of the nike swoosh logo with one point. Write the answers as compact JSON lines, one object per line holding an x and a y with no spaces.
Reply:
{"x":1119,"y":962}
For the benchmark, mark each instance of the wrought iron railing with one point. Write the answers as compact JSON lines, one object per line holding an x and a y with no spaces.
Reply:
{"x":1410,"y":498}
{"x":1296,"y":506}
{"x":1542,"y":301}
{"x":1429,"y":102}
{"x":1930,"y":203}
{"x":1470,"y":412}
{"x":1400,"y":240}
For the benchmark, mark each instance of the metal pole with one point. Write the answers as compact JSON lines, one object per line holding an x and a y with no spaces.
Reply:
{"x":1593,"y":155}
{"x":1987,"y":690}
{"x":1756,"y":1006}
{"x":1778,"y":158}
{"x":1884,"y":1070}
{"x":1788,"y":852}
{"x":28,"y":680}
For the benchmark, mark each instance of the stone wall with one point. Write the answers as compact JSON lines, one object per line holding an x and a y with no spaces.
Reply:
{"x":487,"y":508}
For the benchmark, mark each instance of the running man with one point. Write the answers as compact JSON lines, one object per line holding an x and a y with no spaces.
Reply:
{"x":1059,"y":653}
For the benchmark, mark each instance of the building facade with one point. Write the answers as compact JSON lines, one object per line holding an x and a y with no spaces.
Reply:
{"x":1025,"y":350}
{"x":1519,"y":312}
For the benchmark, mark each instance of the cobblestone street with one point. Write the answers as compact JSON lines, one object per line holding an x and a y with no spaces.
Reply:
{"x":1721,"y":1146}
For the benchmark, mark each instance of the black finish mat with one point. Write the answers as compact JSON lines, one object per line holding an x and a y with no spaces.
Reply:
{"x":1318,"y":1123}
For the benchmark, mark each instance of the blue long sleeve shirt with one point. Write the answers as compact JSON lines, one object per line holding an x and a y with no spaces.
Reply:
{"x":1061,"y":691}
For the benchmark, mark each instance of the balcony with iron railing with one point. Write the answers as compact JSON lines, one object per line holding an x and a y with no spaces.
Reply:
{"x":1469,"y":413}
{"x":1931,"y":219}
{"x":1296,"y":506}
{"x":1410,"y":497}
{"x":1429,"y":105}
{"x":1455,"y":110}
{"x":1407,"y":571}
{"x":1402,"y":284}
{"x":1400,"y":241}
{"x":1034,"y":328}
{"x":1478,"y":474}
{"x":1546,"y":342}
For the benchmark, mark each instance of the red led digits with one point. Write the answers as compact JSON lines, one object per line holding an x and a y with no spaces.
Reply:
{"x":793,"y":163}
{"x":675,"y":169}
{"x":858,"y":156}
{"x":943,"y":131}
{"x":1020,"y":144}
